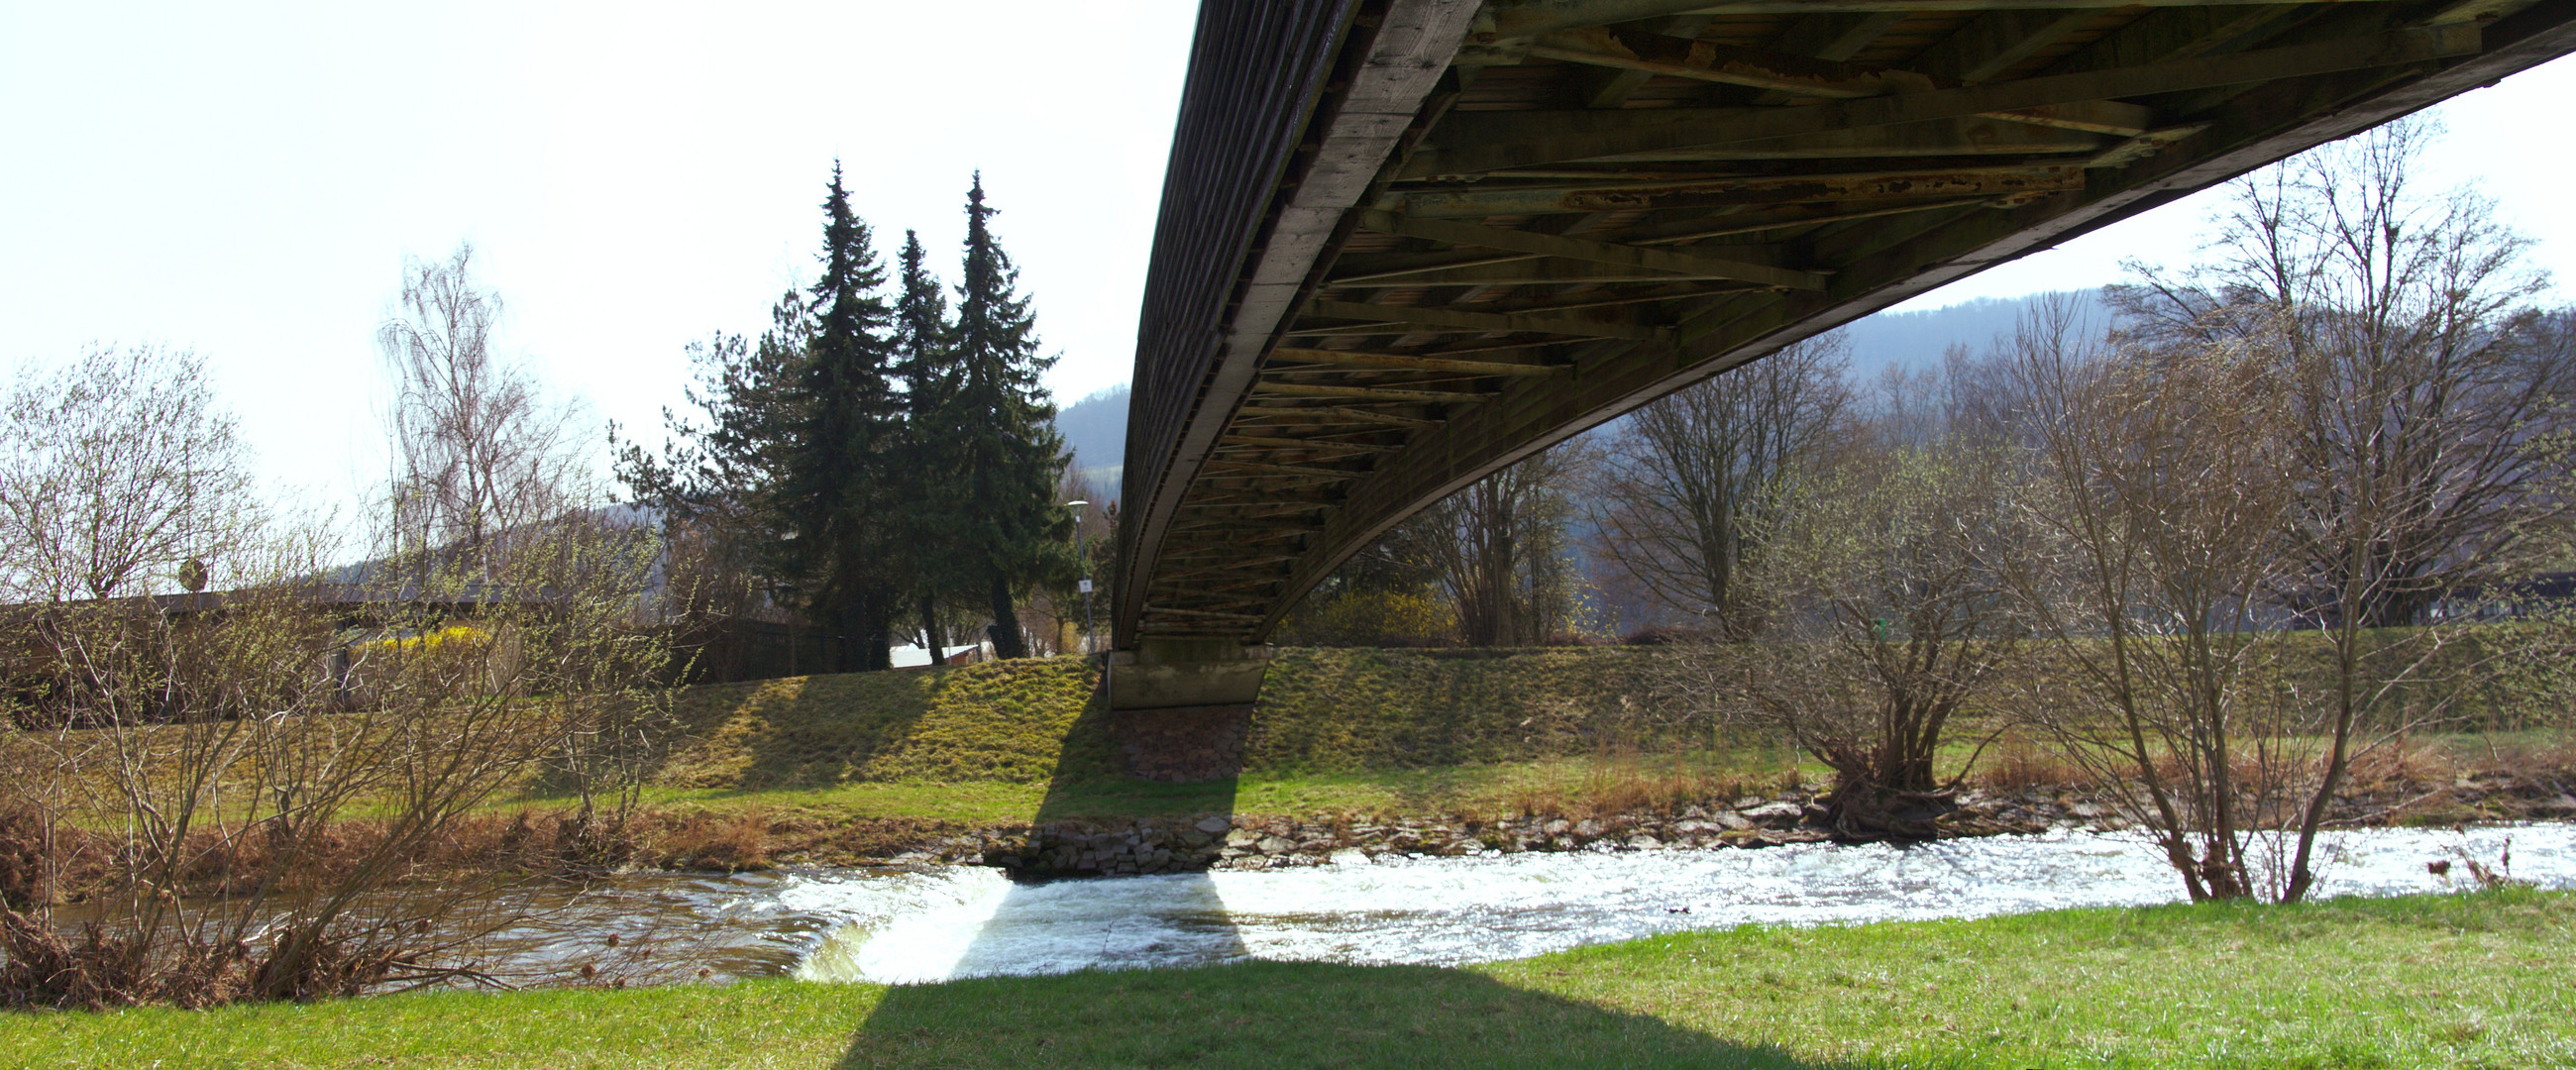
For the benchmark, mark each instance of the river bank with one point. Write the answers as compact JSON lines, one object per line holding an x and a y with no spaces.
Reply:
{"x":1251,"y":840}
{"x":2479,"y":979}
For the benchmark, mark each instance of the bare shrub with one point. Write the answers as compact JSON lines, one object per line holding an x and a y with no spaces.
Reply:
{"x":1687,"y":486}
{"x":115,"y":470}
{"x":1498,"y":549}
{"x":2163,"y":491}
{"x":1889,"y":619}
{"x":261,"y":792}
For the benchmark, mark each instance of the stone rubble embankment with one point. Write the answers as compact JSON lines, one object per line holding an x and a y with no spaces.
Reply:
{"x":1253,"y":841}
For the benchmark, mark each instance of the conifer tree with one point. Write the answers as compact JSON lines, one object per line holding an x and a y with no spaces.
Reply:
{"x":928,"y":522}
{"x":1003,"y":420}
{"x":724,"y":476}
{"x":837,"y":501}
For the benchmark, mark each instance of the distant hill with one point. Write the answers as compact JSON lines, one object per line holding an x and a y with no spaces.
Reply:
{"x":1917,"y":339}
{"x":1095,"y":428}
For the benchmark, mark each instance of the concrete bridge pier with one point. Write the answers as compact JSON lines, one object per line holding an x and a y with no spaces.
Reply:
{"x":1180,"y":708}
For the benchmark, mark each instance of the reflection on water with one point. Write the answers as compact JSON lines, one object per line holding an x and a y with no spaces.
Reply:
{"x":922,"y":926}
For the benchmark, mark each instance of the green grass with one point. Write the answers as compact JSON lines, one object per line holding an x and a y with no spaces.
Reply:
{"x":2482,"y":980}
{"x":1565,"y":730}
{"x":1337,"y":730}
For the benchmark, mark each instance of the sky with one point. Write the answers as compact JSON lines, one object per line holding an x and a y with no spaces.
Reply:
{"x":247,"y":181}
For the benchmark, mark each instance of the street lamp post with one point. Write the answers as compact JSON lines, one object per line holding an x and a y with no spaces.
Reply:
{"x":1076,"y":505}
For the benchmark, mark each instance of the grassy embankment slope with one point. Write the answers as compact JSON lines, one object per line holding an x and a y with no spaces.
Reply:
{"x":1340,"y":730}
{"x":1373,"y":731}
{"x":2481,"y":980}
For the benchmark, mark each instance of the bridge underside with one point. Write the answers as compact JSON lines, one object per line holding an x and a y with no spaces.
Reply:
{"x":1408,"y":242}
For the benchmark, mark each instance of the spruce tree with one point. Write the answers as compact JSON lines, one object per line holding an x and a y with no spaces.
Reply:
{"x":929,"y":524}
{"x":1003,"y":420}
{"x":837,"y":501}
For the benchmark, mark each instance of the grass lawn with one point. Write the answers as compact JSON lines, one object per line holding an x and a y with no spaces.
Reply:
{"x":2485,"y":980}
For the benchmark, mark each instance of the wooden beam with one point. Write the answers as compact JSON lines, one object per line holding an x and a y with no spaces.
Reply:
{"x":1514,"y":19}
{"x":1724,"y":65}
{"x":1408,"y":362}
{"x":1474,"y":144}
{"x":1366,"y":393}
{"x":1628,"y":256}
{"x":1946,"y":184}
{"x":1232,"y":439}
{"x":1992,"y":43}
{"x":1386,"y":266}
{"x":1228,"y":568}
{"x":1361,"y":416}
{"x":1176,"y":611}
{"x":1277,"y":468}
{"x":1998,"y":134}
{"x":1249,"y":523}
{"x":1449,"y":320}
{"x":2092,"y":116}
{"x":1615,"y":89}
{"x":1203,"y":512}
{"x":1535,"y":272}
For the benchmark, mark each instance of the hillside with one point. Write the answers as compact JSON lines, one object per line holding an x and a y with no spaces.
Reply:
{"x":1095,"y":429}
{"x":1916,"y":340}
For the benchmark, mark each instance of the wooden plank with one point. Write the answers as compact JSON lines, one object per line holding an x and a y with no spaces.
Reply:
{"x":1502,"y":141}
{"x":1246,"y":523}
{"x":1365,"y":393}
{"x":1375,"y":268}
{"x":1523,"y":241}
{"x":1531,"y":273}
{"x":1997,"y":134}
{"x":1945,"y":184}
{"x":1232,"y":439}
{"x":1449,"y":319}
{"x":1990,"y":44}
{"x":1513,"y":19}
{"x":1752,"y":67}
{"x":2092,"y":116}
{"x":1409,"y":362}
{"x":1176,"y":611}
{"x":1362,"y":416}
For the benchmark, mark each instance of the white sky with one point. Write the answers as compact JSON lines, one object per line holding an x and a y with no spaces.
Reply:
{"x":246,"y":180}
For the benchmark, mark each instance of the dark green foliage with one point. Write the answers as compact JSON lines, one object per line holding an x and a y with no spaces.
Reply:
{"x":927,"y":516}
{"x":870,"y":461}
{"x":837,"y":498}
{"x":1010,"y":454}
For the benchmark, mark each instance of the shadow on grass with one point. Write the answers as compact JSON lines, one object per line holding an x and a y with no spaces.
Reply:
{"x":813,"y":731}
{"x":1222,"y":1008}
{"x":1273,"y":1014}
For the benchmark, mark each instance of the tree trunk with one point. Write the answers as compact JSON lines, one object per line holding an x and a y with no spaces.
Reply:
{"x":1006,"y":622}
{"x":931,"y":640}
{"x":853,"y":623}
{"x":876,"y":635}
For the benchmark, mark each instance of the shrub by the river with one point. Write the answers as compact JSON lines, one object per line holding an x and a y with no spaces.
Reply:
{"x":239,"y":824}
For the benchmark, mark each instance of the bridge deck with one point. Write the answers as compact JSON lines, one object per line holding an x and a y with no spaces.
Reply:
{"x":1407,"y":242}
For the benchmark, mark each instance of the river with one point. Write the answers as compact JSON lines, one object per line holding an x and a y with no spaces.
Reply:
{"x":929,"y":925}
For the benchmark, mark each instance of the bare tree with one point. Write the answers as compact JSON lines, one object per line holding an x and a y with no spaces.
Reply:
{"x":1890,"y":618}
{"x":2425,"y":370}
{"x":1686,"y":484}
{"x":2164,"y":484}
{"x":1499,"y":550}
{"x":478,"y":449}
{"x":273,"y":806}
{"x":115,"y":470}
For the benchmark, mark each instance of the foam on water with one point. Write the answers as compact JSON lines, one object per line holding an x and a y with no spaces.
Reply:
{"x":915,"y":927}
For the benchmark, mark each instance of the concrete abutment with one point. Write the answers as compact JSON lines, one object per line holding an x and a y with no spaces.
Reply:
{"x":1181,"y":707}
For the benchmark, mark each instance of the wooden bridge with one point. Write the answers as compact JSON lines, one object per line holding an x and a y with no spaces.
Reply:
{"x":1405,"y":243}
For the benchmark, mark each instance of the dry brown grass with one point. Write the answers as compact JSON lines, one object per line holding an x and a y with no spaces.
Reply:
{"x":2015,"y":764}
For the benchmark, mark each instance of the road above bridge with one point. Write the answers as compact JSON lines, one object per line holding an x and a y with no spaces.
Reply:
{"x":1405,"y":243}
